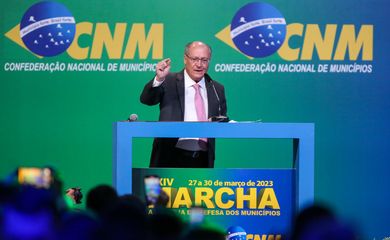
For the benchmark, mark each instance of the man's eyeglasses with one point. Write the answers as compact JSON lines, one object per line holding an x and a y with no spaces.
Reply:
{"x":203,"y":61}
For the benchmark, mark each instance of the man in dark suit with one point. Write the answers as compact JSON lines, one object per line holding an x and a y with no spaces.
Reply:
{"x":188,"y":95}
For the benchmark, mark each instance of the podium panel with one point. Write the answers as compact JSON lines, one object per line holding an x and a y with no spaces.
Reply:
{"x":302,"y":135}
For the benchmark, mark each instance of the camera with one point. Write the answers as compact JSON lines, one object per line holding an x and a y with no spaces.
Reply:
{"x":75,"y":193}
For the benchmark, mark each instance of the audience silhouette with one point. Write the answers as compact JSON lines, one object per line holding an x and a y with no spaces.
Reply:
{"x":32,"y":213}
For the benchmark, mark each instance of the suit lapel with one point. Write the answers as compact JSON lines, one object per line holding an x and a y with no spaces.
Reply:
{"x":180,"y":90}
{"x":211,"y":99}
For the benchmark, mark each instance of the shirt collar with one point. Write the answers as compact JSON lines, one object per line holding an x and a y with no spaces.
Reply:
{"x":188,"y":82}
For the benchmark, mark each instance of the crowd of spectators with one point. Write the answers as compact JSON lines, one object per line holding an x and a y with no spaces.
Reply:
{"x":32,"y":213}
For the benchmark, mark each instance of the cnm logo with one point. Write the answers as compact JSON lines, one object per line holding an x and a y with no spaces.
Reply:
{"x":120,"y":43}
{"x":334,"y":44}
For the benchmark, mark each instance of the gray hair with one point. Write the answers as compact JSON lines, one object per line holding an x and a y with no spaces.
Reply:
{"x":188,"y":46}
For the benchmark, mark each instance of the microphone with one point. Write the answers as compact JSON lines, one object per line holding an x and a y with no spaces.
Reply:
{"x":132,"y":118}
{"x":218,"y":118}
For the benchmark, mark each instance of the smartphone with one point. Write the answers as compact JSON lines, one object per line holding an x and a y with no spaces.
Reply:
{"x":196,"y":215}
{"x":152,"y":189}
{"x":38,"y":177}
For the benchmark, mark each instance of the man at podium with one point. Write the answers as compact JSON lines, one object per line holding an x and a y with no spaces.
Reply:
{"x":188,"y":95}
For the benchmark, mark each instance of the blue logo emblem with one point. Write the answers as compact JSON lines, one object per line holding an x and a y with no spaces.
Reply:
{"x":47,"y":28}
{"x":236,"y":233}
{"x":258,"y":29}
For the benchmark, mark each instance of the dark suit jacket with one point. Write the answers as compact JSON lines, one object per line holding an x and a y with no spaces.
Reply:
{"x":170,"y":96}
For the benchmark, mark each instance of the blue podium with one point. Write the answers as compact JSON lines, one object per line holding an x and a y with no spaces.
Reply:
{"x":302,"y":135}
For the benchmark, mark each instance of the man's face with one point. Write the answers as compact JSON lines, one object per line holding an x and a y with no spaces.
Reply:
{"x":197,"y":61}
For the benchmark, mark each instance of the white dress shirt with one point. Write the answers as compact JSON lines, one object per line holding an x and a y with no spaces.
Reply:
{"x":190,"y":144}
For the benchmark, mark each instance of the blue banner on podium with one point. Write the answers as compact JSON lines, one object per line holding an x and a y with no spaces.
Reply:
{"x":261,"y":201}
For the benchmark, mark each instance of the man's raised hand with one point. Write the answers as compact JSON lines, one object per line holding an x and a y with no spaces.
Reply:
{"x":162,"y":69}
